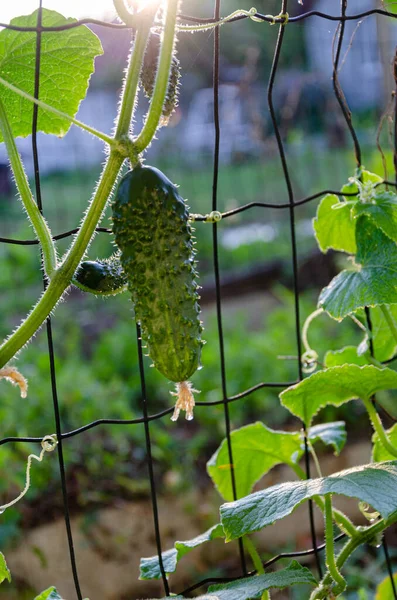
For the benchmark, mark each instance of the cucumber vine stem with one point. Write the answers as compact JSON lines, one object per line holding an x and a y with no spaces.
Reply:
{"x":329,"y":548}
{"x":124,"y":14}
{"x":132,"y":78}
{"x":62,"y":276}
{"x":39,"y":224}
{"x":162,"y":78}
{"x":102,"y":136}
{"x":363,"y":535}
{"x":378,"y":427}
{"x":342,"y":521}
{"x":254,"y":554}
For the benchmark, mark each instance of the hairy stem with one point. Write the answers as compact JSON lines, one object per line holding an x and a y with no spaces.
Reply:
{"x":378,"y":427}
{"x":39,"y":224}
{"x":363,"y":536}
{"x":132,"y":78}
{"x":162,"y":78}
{"x":102,"y":136}
{"x":254,"y":554}
{"x":342,"y":521}
{"x":124,"y":14}
{"x":329,"y":548}
{"x":62,"y":276}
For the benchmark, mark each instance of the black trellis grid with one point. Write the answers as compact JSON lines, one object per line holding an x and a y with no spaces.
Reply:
{"x":282,"y":21}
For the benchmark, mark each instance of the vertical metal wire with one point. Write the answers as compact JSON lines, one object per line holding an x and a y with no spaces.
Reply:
{"x":337,"y":89}
{"x":389,"y":567}
{"x":216,"y":264}
{"x":149,"y":457}
{"x":50,"y":344}
{"x":287,"y":178}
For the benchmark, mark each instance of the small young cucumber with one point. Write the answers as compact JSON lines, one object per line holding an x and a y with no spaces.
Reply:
{"x":153,"y":233}
{"x":101,"y":277}
{"x":148,"y":77}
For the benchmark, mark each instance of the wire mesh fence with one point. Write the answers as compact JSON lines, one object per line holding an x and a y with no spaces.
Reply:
{"x":341,"y":40}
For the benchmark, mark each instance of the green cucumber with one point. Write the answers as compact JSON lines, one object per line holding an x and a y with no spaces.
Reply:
{"x":101,"y":277}
{"x":153,"y":233}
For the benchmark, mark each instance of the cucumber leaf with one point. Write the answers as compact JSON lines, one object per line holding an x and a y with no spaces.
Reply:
{"x":373,"y":279}
{"x":67,"y":63}
{"x":384,"y":591}
{"x":256,"y":449}
{"x":331,"y":434}
{"x":333,"y":225}
{"x":150,"y":567}
{"x":50,"y":594}
{"x":249,"y":588}
{"x":348,"y":354}
{"x":382,"y":211}
{"x":366,"y":482}
{"x":379,"y":452}
{"x":253,"y":587}
{"x":366,"y":178}
{"x":4,"y":571}
{"x":384,"y":342}
{"x":335,"y":386}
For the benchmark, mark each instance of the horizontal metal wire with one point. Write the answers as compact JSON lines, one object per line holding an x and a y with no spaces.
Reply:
{"x":225,"y":215}
{"x":154,"y":417}
{"x":267,"y":18}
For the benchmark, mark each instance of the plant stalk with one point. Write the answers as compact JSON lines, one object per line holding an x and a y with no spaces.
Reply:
{"x":39,"y":224}
{"x":378,"y":427}
{"x":329,"y":548}
{"x":62,"y":276}
{"x":132,"y":78}
{"x":162,"y":78}
{"x":254,"y":554}
{"x":363,"y":536}
{"x":342,"y":521}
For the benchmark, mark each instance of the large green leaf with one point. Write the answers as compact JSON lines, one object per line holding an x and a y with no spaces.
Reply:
{"x":391,"y":6}
{"x":331,"y":434}
{"x":150,"y":567}
{"x":67,"y":63}
{"x":382,"y":211}
{"x":4,"y":572}
{"x":379,"y":452}
{"x":249,"y":588}
{"x":253,"y":587}
{"x":50,"y":594}
{"x":384,"y":342}
{"x":375,"y":484}
{"x":348,"y":354}
{"x":374,"y":279}
{"x":334,"y":226}
{"x":256,"y":449}
{"x":335,"y":386}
